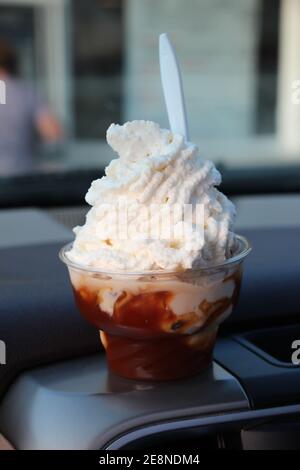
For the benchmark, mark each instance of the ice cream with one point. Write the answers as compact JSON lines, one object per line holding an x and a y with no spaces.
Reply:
{"x":157,"y":169}
{"x":157,"y":300}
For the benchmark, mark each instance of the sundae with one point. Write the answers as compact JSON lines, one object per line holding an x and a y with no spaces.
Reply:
{"x":156,"y":267}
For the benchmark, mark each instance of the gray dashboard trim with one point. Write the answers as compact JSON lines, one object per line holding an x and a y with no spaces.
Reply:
{"x":227,"y":418}
{"x":80,"y":405}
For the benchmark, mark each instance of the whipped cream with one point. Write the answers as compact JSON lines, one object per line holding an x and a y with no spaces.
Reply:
{"x":155,"y":167}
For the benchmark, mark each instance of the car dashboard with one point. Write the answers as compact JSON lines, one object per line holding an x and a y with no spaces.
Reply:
{"x":56,"y":391}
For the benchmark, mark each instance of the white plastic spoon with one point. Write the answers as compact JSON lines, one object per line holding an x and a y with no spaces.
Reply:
{"x":172,"y":87}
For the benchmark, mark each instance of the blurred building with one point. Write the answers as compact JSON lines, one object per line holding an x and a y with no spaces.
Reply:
{"x":96,"y":62}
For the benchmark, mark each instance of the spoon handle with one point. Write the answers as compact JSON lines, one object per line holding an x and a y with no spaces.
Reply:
{"x":172,"y":87}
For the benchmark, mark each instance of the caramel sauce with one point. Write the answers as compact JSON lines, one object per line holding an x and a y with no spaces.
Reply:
{"x":144,"y":311}
{"x":159,"y":359}
{"x":145,"y":315}
{"x":213,"y":310}
{"x":144,"y":339}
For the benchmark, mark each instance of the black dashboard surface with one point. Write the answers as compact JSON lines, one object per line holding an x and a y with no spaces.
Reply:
{"x":40,"y":323}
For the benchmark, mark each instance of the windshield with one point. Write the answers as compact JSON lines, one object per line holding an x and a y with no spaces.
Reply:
{"x":70,"y":68}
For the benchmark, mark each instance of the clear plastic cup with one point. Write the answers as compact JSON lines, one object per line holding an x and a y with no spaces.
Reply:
{"x":158,"y":325}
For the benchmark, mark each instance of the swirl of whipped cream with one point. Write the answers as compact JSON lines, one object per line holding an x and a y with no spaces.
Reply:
{"x":157,"y":169}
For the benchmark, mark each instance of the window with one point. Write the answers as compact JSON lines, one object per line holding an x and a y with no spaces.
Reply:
{"x":96,"y":62}
{"x":97,"y":36}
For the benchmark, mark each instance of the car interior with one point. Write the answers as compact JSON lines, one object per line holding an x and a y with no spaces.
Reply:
{"x":56,"y":390}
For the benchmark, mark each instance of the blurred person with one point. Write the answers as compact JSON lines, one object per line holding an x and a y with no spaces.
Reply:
{"x":22,"y":118}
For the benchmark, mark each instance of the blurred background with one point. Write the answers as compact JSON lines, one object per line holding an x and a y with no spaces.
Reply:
{"x":87,"y":63}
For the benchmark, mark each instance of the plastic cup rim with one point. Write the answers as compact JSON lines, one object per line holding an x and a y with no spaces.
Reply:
{"x":244,"y":249}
